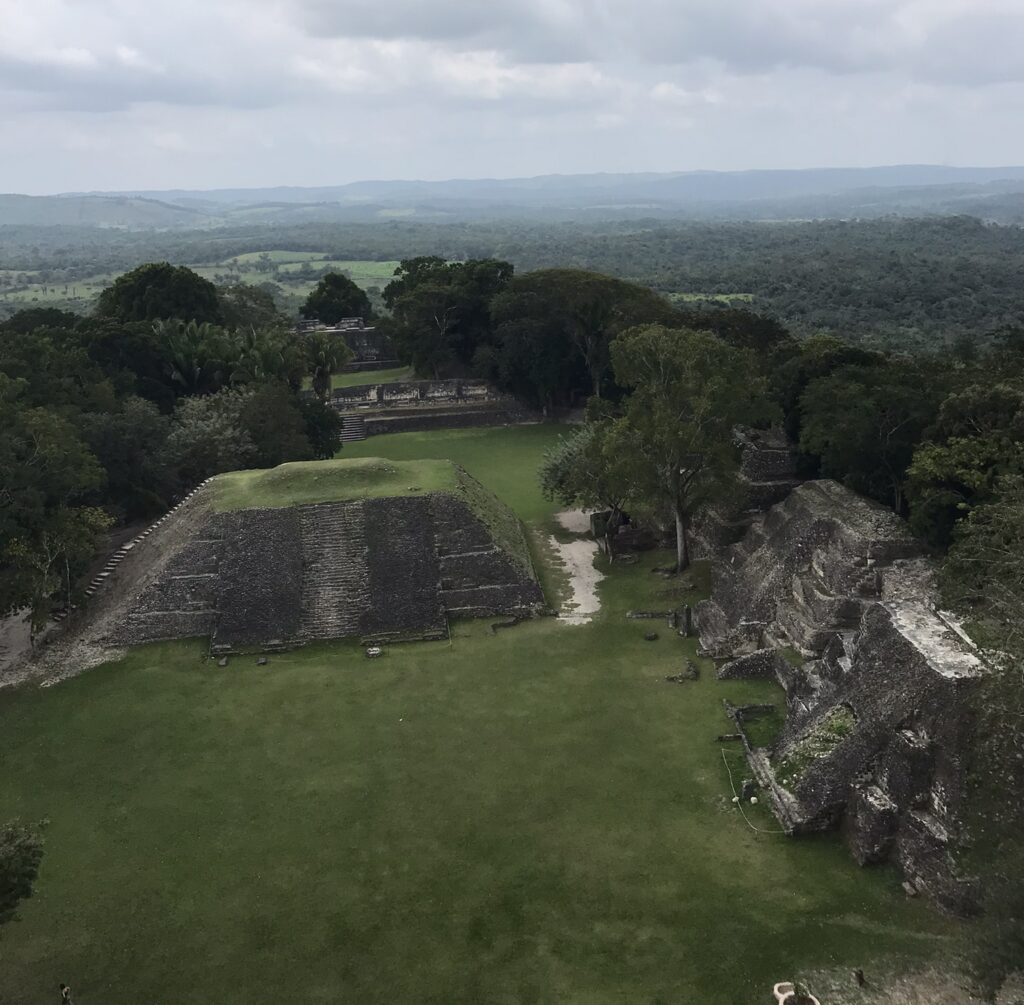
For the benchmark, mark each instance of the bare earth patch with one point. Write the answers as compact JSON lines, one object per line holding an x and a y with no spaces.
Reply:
{"x":577,"y":558}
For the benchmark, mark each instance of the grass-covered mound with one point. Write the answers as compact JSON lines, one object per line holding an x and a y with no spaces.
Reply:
{"x":331,"y":481}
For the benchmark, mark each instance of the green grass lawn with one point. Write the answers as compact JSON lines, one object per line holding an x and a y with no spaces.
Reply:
{"x":328,"y":481}
{"x":80,"y":294}
{"x":528,"y":816}
{"x":372,"y":377}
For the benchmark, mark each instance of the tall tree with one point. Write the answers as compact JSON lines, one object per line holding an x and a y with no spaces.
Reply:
{"x":976,"y":440}
{"x":442,"y":310}
{"x":591,"y":309}
{"x":983,"y":578}
{"x":864,"y":422}
{"x":326,"y":355}
{"x":335,"y":297}
{"x":158,"y":291}
{"x":688,"y":392}
{"x":584,"y":469}
{"x":49,"y":560}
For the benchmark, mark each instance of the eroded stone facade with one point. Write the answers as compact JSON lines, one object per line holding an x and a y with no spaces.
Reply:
{"x":829,"y":594}
{"x":379,"y":570}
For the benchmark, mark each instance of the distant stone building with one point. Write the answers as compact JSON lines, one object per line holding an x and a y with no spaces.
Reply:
{"x":370,"y":349}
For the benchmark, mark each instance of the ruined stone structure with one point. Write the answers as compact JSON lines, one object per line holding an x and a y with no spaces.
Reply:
{"x":829,"y":594}
{"x":405,"y":406}
{"x":377,"y":569}
{"x":371,"y":349}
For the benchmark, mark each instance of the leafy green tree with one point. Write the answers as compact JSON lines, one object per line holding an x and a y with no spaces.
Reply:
{"x":326,"y":355}
{"x":208,"y":437}
{"x":243,"y":306}
{"x":794,"y":367}
{"x":688,"y":392}
{"x":49,"y":560}
{"x":531,"y":354}
{"x":983,"y":578}
{"x":160,"y":291}
{"x":271,"y":417}
{"x":129,"y":445}
{"x":335,"y":297}
{"x":863,"y":423}
{"x":21,"y":854}
{"x":584,"y":469}
{"x":977,"y":439}
{"x":442,"y":310}
{"x":47,"y":470}
{"x":33,"y":318}
{"x":424,"y":325}
{"x":591,"y":309}
{"x":739,"y":327}
{"x":199,"y":358}
{"x":323,"y":427}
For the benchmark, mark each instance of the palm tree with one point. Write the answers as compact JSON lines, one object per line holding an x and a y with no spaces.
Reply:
{"x":325,"y":356}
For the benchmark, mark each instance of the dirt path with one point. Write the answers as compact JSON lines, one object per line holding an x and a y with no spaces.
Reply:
{"x":577,"y":558}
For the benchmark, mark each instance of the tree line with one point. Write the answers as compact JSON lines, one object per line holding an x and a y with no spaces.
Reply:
{"x":108,"y":419}
{"x":903,"y":283}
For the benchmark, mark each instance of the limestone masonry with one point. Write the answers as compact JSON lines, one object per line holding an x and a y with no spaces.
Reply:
{"x":377,"y":569}
{"x":830,"y":594}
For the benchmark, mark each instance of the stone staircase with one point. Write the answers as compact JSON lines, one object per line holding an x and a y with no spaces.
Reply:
{"x":353,"y":428}
{"x":335,"y":576}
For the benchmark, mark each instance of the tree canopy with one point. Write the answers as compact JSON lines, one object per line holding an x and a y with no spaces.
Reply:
{"x":335,"y":297}
{"x":158,"y":291}
{"x":688,"y":391}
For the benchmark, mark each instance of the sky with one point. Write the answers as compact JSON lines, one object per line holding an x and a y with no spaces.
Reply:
{"x":154,"y":94}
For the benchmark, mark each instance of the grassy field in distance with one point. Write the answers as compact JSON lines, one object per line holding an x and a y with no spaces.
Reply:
{"x":528,"y":816}
{"x":80,"y":295}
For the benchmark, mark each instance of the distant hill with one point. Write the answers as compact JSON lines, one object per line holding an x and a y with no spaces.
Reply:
{"x":97,"y":211}
{"x":829,"y":193}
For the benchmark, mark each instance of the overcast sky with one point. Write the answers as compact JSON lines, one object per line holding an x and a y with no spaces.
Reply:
{"x":136,"y":94}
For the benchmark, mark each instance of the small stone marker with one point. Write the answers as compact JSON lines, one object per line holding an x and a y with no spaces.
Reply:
{"x":262,"y":661}
{"x":651,"y":637}
{"x":373,"y":652}
{"x":223,"y":661}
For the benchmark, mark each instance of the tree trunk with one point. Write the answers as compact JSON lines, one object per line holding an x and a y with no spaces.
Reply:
{"x":682,"y":544}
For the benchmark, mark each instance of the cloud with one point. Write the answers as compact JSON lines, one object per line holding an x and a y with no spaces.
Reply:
{"x":332,"y":89}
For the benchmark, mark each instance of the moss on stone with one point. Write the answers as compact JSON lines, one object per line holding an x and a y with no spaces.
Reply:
{"x":819,"y":742}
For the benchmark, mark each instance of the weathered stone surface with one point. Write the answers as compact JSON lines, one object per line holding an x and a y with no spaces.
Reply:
{"x":878,"y":724}
{"x":259,"y":581}
{"x":382,"y":569}
{"x":803,"y":570}
{"x":758,"y":664}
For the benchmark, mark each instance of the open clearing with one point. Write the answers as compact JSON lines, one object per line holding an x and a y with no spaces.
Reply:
{"x":296,"y":272}
{"x":528,"y":816}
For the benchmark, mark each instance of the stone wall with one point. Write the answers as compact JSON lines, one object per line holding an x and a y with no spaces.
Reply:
{"x":380,"y":570}
{"x":413,"y":392}
{"x":466,"y":417}
{"x":878,"y":713}
{"x":478,"y":577}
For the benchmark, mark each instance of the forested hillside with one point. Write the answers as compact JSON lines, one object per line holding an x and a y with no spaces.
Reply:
{"x":907,"y":284}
